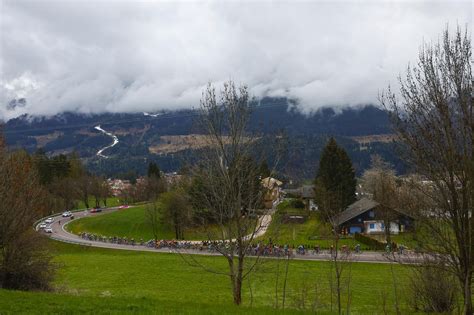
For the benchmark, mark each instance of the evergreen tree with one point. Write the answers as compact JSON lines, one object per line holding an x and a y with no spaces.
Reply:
{"x":153,"y":170}
{"x":264,"y":169}
{"x":336,"y":176}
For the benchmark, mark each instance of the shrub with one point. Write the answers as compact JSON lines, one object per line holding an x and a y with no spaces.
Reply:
{"x":433,"y":289}
{"x":297,"y":203}
{"x":26,"y":264}
{"x":370,"y":242}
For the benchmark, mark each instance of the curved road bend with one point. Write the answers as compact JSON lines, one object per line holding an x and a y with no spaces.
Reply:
{"x":59,"y":233}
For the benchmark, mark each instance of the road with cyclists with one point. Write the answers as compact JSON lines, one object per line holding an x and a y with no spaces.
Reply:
{"x":60,"y":233}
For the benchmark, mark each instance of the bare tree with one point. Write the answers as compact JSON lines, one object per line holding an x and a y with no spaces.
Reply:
{"x":330,"y":207}
{"x":105,"y":191}
{"x":153,"y":217}
{"x":229,"y":175}
{"x":154,"y":186}
{"x":380,"y":182}
{"x":434,"y":119}
{"x":84,"y":186}
{"x":24,"y":261}
{"x":97,"y":189}
{"x":176,"y":210}
{"x":432,"y":289}
{"x":66,"y":190}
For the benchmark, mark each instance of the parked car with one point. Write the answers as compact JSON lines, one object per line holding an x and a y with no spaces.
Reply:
{"x":42,"y":225}
{"x":95,"y":210}
{"x":49,"y":221}
{"x":67,"y":214}
{"x":123,"y":207}
{"x":48,"y":229}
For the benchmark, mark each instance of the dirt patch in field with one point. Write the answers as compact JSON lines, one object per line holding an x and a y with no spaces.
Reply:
{"x":124,"y":132}
{"x":173,"y":144}
{"x":42,"y":140}
{"x":387,"y":138}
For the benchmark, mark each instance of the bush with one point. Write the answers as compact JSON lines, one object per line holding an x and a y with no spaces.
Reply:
{"x":297,"y":203}
{"x":26,"y":264}
{"x":283,"y":205}
{"x":432,"y":289}
{"x":369,"y":242}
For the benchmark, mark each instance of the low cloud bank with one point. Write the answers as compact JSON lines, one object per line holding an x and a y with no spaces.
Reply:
{"x":113,"y":56}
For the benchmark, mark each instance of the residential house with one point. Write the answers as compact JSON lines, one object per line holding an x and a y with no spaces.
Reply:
{"x":273,"y":191}
{"x":306,"y":193}
{"x":367,"y":216}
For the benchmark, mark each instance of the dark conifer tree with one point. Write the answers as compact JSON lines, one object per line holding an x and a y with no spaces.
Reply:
{"x":153,"y":170}
{"x":336,"y":175}
{"x":264,"y":169}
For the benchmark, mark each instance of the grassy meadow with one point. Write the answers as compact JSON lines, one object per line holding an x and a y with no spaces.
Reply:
{"x":312,"y":232}
{"x":132,"y":223}
{"x":116,"y":281}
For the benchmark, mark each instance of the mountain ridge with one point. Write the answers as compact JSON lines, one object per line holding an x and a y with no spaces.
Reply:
{"x":138,"y":132}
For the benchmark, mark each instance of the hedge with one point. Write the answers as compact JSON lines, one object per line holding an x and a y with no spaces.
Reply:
{"x":370,"y":242}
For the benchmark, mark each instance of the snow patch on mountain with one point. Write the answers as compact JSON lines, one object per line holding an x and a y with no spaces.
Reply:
{"x":152,"y":115}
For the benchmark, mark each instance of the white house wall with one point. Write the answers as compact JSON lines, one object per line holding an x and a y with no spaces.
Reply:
{"x":377,"y":227}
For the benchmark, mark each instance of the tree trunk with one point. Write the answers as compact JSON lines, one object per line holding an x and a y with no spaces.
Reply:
{"x":176,"y":231}
{"x":286,"y":277}
{"x":239,"y":276}
{"x":338,"y":289}
{"x":238,"y":290}
{"x":86,"y":201}
{"x":468,"y":294}
{"x":388,"y":237}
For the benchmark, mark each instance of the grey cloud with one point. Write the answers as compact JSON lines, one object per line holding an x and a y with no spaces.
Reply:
{"x":145,"y":56}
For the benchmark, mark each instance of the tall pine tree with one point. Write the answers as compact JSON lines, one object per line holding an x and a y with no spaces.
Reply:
{"x":153,"y":170}
{"x":336,"y":176}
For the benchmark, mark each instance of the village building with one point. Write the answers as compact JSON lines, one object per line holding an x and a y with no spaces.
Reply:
{"x":273,"y":191}
{"x":306,"y":193}
{"x":172,"y":178}
{"x":367,"y":216}
{"x":118,"y":185}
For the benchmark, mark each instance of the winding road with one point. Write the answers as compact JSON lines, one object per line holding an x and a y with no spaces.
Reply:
{"x":114,"y":137}
{"x":61,"y":234}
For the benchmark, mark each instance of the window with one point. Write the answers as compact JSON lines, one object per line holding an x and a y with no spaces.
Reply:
{"x":371,"y":213}
{"x":383,"y":226}
{"x":372,"y":226}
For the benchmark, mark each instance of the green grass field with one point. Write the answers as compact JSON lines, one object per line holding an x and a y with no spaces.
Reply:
{"x":44,"y":303}
{"x":113,"y":281}
{"x":131,"y":223}
{"x":312,"y":232}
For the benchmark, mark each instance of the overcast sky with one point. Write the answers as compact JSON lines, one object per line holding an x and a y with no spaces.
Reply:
{"x":94,"y":56}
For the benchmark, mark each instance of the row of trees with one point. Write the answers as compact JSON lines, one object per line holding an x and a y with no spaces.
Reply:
{"x":68,"y":181}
